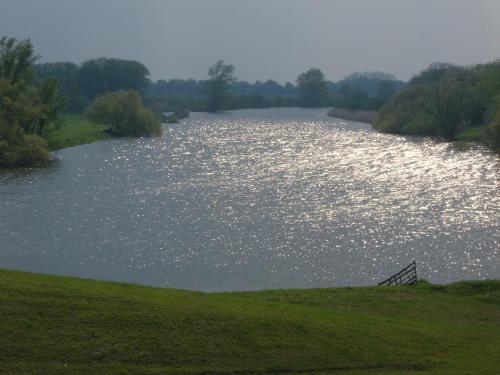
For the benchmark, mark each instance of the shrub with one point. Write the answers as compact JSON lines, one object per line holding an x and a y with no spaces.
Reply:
{"x":30,"y":150}
{"x":125,"y":113}
{"x":33,"y":150}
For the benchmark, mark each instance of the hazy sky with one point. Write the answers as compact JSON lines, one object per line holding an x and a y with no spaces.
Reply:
{"x":263,"y":38}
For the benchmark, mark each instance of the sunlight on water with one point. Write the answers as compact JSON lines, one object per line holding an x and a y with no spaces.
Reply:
{"x":257,"y":199}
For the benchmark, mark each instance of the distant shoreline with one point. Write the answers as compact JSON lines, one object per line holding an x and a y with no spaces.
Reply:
{"x":360,"y":116}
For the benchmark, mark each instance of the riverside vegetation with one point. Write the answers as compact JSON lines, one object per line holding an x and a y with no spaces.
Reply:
{"x":105,"y":98}
{"x":30,"y":108}
{"x":76,"y":129}
{"x":60,"y":325}
{"x":450,"y":102}
{"x":446,"y":101}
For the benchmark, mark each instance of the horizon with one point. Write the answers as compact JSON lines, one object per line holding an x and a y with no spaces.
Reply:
{"x":181,"y":39}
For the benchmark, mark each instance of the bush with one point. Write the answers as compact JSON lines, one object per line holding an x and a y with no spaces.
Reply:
{"x":126,"y":114}
{"x":30,"y":150}
{"x":33,"y":150}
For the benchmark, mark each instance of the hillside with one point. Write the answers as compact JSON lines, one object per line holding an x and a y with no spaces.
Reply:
{"x":55,"y":325}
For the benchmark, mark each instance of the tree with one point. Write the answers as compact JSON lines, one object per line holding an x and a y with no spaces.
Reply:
{"x":66,"y":74}
{"x":441,"y":101}
{"x":125,"y":113}
{"x":99,"y":76}
{"x":353,"y":98}
{"x":449,"y":102}
{"x":37,"y":108}
{"x":385,"y":89}
{"x":313,"y":86}
{"x":16,"y":60}
{"x":221,"y":76}
{"x":24,"y":109}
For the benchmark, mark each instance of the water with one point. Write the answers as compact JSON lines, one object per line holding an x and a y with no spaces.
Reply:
{"x":256,"y":199}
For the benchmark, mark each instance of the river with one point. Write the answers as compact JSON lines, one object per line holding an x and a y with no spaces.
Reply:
{"x":256,"y":199}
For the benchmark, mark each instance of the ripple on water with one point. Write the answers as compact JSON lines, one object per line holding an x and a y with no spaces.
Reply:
{"x":257,"y":199}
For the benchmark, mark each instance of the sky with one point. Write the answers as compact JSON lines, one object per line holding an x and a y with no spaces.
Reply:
{"x":263,"y":39}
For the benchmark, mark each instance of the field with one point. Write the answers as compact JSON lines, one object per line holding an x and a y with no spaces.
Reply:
{"x":75,"y":130}
{"x":59,"y":325}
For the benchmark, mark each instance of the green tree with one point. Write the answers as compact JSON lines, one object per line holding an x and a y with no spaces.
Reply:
{"x":125,"y":113}
{"x":313,"y":87}
{"x":16,"y":60}
{"x":451,"y":103}
{"x":45,"y":104}
{"x":66,"y":74}
{"x":103,"y":75}
{"x":442,"y":100}
{"x":385,"y":89}
{"x":22,"y":106}
{"x":354,"y":98}
{"x":221,"y":76}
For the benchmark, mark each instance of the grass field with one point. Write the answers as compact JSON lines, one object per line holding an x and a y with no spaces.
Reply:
{"x":58,"y":325}
{"x":76,"y":130}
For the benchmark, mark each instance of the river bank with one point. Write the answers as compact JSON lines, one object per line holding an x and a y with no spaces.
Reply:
{"x":76,"y":129}
{"x":359,"y":116}
{"x":469,"y":135}
{"x":54,"y":324}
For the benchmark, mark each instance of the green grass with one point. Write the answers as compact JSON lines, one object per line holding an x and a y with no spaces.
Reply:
{"x":59,"y":325}
{"x":470,"y":135}
{"x":76,"y":130}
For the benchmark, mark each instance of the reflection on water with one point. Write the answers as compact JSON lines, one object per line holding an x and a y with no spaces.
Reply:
{"x":256,"y":199}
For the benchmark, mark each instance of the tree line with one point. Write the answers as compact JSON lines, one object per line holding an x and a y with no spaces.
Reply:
{"x":371,"y":84}
{"x":359,"y":91}
{"x":80,"y":84}
{"x":269,"y":88}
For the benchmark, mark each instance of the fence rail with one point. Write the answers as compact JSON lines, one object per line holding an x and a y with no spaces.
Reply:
{"x":407,"y":276}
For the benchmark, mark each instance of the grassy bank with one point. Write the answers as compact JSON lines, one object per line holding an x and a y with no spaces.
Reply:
{"x":76,"y":130}
{"x":470,"y":135}
{"x":64,"y":325}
